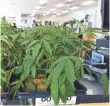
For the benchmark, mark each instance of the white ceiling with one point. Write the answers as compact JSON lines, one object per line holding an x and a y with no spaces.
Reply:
{"x":27,"y":6}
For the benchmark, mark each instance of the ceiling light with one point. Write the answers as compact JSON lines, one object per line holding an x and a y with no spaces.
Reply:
{"x":53,"y":9}
{"x":87,"y":2}
{"x":58,"y":13}
{"x":44,"y":14}
{"x":53,"y":16}
{"x":69,"y":1}
{"x":74,"y":8}
{"x":48,"y":12}
{"x":42,"y":2}
{"x":64,"y":12}
{"x":38,"y":7}
{"x":59,"y":5}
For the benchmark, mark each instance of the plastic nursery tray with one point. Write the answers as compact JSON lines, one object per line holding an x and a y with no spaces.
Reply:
{"x":80,"y":91}
{"x":96,"y":93}
{"x":93,"y":99}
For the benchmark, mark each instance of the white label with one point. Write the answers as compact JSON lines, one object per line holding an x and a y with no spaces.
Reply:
{"x":48,"y":102}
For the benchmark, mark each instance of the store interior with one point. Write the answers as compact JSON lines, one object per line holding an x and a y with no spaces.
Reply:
{"x":55,"y":36}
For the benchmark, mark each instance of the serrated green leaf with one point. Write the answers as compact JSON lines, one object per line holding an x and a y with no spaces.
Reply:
{"x":8,"y":75}
{"x":36,"y":49}
{"x":63,"y":99}
{"x":59,"y":68}
{"x":48,"y":47}
{"x":26,"y":67}
{"x":69,"y":89}
{"x":74,"y":58}
{"x":70,"y":72}
{"x":88,"y":70}
{"x":32,"y":43}
{"x":39,"y":56}
{"x":48,"y":81}
{"x":62,"y":89}
{"x":62,"y":58}
{"x":33,"y":71}
{"x":104,"y":80}
{"x":54,"y":90}
{"x":78,"y":66}
{"x":62,"y":78}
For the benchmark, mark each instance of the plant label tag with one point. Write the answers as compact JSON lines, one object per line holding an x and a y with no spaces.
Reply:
{"x":50,"y":102}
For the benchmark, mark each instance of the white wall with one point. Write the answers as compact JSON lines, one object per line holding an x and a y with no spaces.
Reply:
{"x":78,"y":14}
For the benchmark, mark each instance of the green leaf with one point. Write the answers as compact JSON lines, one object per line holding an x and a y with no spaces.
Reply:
{"x":15,"y":82}
{"x":62,"y":58}
{"x":39,"y":56}
{"x":18,"y":70}
{"x":54,"y":90}
{"x":32,"y":43}
{"x":48,"y":81}
{"x":78,"y":66}
{"x":82,"y":72}
{"x":69,"y":89}
{"x":62,"y":78}
{"x":36,"y":49}
{"x":33,"y":71}
{"x":104,"y":80}
{"x":63,"y":99}
{"x":75,"y":58}
{"x":48,"y":47}
{"x":62,"y":89}
{"x":28,"y":61}
{"x":8,"y":75}
{"x":59,"y":68}
{"x":87,"y":69}
{"x":50,"y":70}
{"x":14,"y":90}
{"x":70,"y":72}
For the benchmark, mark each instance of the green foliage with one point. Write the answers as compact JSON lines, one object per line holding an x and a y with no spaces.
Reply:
{"x":104,"y":80}
{"x":60,"y":49}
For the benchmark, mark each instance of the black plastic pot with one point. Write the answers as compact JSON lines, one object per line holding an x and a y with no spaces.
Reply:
{"x":25,"y":97}
{"x":4,"y":98}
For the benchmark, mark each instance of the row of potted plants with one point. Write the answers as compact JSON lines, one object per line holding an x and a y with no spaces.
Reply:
{"x":44,"y":58}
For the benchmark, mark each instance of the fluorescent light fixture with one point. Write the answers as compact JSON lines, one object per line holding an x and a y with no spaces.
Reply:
{"x":58,"y":13}
{"x":69,"y":1}
{"x":74,"y":8}
{"x":65,"y":12}
{"x":53,"y":9}
{"x":47,"y":12}
{"x":42,"y":2}
{"x":53,"y":16}
{"x":60,"y":5}
{"x":38,"y":7}
{"x":44,"y":14}
{"x":87,"y":2}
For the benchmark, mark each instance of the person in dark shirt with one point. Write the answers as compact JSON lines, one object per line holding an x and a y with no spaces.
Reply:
{"x":34,"y":24}
{"x":14,"y":25}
